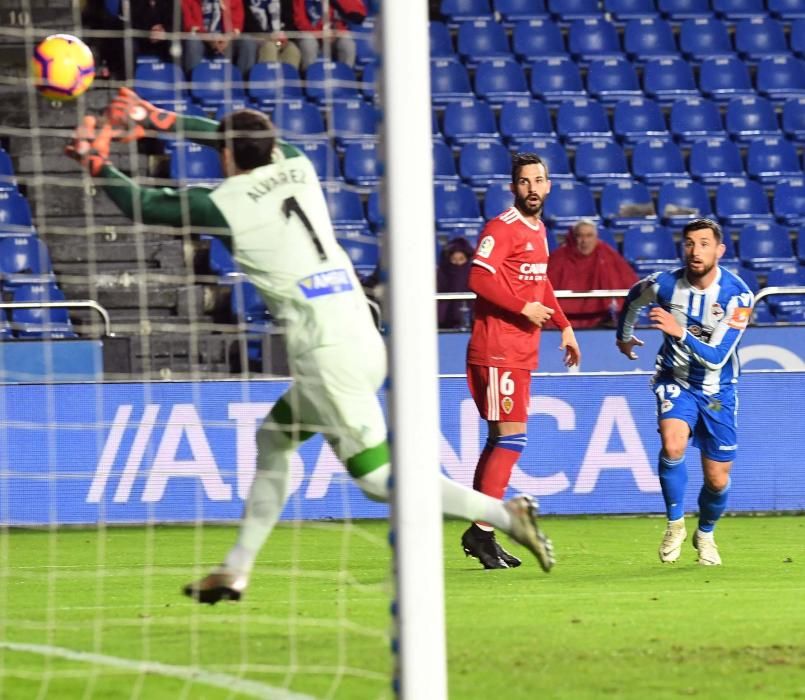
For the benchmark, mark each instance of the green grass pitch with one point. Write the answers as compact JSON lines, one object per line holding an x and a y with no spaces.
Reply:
{"x":80,"y":609}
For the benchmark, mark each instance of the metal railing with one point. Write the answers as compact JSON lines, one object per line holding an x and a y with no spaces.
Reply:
{"x":83,"y":304}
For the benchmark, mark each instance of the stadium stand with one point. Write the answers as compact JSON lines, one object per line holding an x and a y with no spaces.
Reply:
{"x":537,"y":38}
{"x":764,"y":246}
{"x":638,"y":119}
{"x":649,"y":247}
{"x":695,"y":119}
{"x":789,"y":205}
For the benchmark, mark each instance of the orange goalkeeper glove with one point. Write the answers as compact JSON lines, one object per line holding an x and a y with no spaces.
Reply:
{"x":133,"y":116}
{"x":90,"y":144}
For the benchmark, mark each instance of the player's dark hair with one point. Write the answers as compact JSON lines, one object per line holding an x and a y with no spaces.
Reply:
{"x":520,"y":160}
{"x":699,"y":224}
{"x":250,"y":135}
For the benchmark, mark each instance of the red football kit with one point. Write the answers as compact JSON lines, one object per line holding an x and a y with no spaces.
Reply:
{"x":509,"y":270}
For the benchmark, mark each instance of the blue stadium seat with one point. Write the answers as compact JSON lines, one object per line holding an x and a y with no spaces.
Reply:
{"x":738,"y":9}
{"x":361,"y":165}
{"x":740,"y":201}
{"x":592,"y":37}
{"x":669,"y":79}
{"x":330,"y":81}
{"x":623,"y":10}
{"x":481,"y":39}
{"x":467,"y":121}
{"x":524,"y":119}
{"x":15,"y":214}
{"x":274,"y":82}
{"x":556,"y":79}
{"x":568,"y":202}
{"x":781,"y":77}
{"x":713,"y":161}
{"x":456,"y":207}
{"x":787,"y":307}
{"x":786,"y":9}
{"x":24,"y":260}
{"x":612,"y":79}
{"x":769,"y":160}
{"x":373,"y":213}
{"x":214,"y":82}
{"x":220,"y":260}
{"x":638,"y":119}
{"x":159,"y":82}
{"x":750,"y":118}
{"x":364,"y":37}
{"x":225,"y":108}
{"x":553,"y":153}
{"x":41,"y":322}
{"x":449,"y":81}
{"x":626,"y":203}
{"x":324,"y":158}
{"x":679,"y":201}
{"x":722,"y":79}
{"x":598,"y":162}
{"x":298,"y":120}
{"x":649,"y":38}
{"x":788,"y":203}
{"x":801,"y":244}
{"x":607,"y":235}
{"x":680,"y":10}
{"x":798,"y":37}
{"x":353,"y":121}
{"x":458,"y":11}
{"x":248,"y":306}
{"x":649,"y":248}
{"x":512,"y":11}
{"x":760,"y":37}
{"x":5,"y":328}
{"x":567,"y":10}
{"x":441,"y":42}
{"x":345,"y":207}
{"x":704,"y":37}
{"x":497,"y":198}
{"x":537,"y":38}
{"x":369,"y":82}
{"x":7,"y":179}
{"x":363,"y":251}
{"x":696,"y":119}
{"x":500,"y":80}
{"x":764,"y":246}
{"x":655,"y":162}
{"x":582,"y":120}
{"x":194,"y":164}
{"x":480,"y":164}
{"x":444,"y":164}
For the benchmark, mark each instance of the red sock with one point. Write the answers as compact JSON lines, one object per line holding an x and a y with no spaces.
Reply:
{"x":497,"y":471}
{"x":480,"y":468}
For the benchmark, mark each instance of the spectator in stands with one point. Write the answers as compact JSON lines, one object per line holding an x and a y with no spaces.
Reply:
{"x":108,"y":48}
{"x":583,"y":263}
{"x":309,"y":17}
{"x":271,"y":17}
{"x":216,"y":27}
{"x":156,"y":18}
{"x":452,"y":275}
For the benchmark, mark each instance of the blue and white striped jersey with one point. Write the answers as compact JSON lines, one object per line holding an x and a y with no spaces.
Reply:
{"x":714,"y":319}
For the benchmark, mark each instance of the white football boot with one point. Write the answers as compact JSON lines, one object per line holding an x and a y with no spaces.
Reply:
{"x":707,"y":548}
{"x":672,"y":540}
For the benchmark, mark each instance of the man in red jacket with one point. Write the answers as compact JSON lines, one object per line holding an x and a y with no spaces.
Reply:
{"x":515,"y":299}
{"x":216,"y":26}
{"x":308,"y":17}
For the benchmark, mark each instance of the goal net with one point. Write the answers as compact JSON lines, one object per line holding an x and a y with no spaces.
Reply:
{"x":138,"y":361}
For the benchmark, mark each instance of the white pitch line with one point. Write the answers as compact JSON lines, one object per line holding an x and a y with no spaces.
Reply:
{"x":190,"y":673}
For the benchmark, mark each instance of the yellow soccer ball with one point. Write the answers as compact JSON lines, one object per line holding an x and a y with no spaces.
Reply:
{"x":63,"y":67}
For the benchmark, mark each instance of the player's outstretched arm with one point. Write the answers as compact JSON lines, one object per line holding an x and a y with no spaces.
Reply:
{"x":134,"y":118}
{"x":90,"y":146}
{"x":641,"y":294}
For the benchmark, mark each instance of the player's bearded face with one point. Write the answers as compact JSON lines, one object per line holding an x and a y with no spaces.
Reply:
{"x":702,"y":252}
{"x":530,"y":190}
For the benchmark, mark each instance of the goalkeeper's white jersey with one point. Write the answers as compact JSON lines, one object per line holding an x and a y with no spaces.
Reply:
{"x":283,"y":239}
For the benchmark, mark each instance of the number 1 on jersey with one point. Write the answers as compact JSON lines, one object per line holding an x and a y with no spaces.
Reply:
{"x":291,"y":206}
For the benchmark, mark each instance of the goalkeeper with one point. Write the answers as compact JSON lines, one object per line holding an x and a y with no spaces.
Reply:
{"x":272,"y":213}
